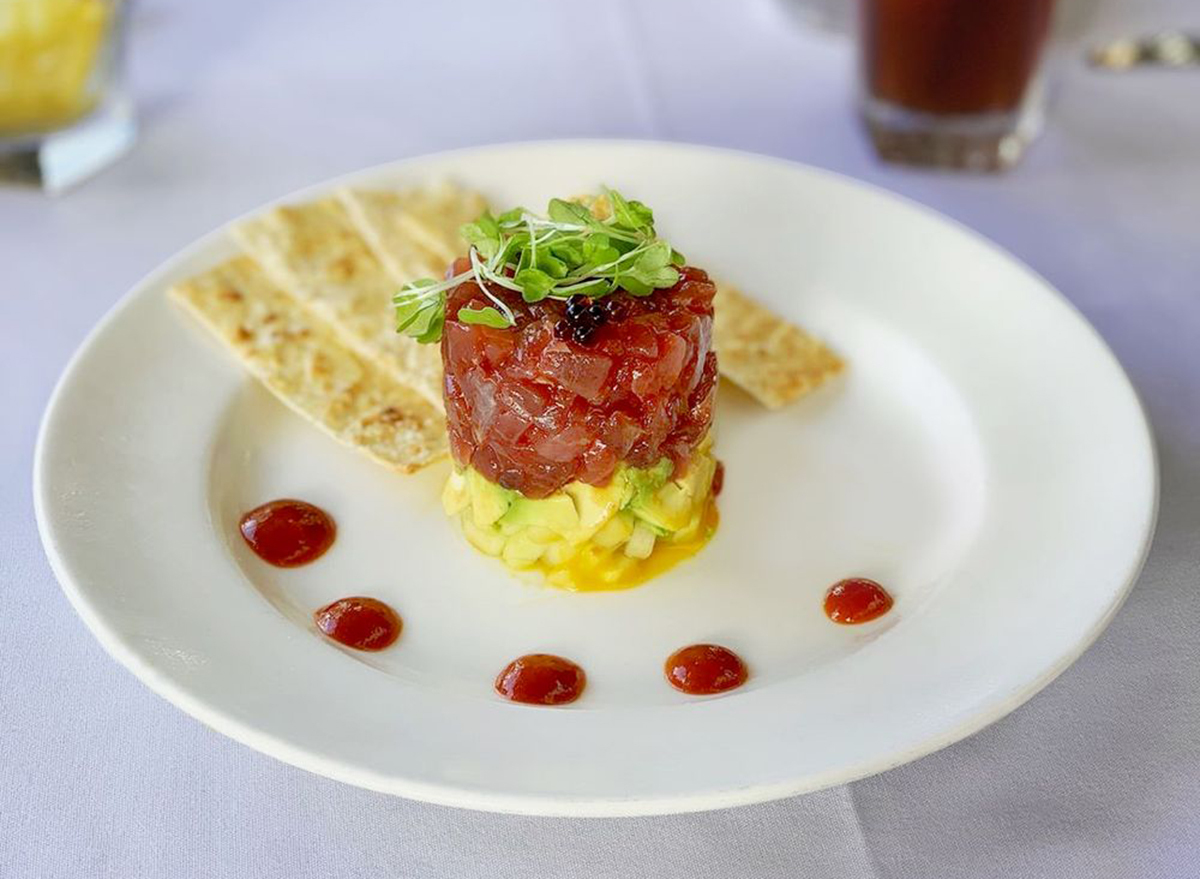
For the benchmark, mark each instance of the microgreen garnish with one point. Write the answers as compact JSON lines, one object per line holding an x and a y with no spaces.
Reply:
{"x":569,"y":252}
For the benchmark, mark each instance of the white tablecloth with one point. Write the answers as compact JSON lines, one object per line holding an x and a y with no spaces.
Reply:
{"x":1097,"y":776}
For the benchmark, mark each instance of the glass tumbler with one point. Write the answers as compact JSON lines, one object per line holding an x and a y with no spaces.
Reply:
{"x":63,"y":108}
{"x":952,"y":83}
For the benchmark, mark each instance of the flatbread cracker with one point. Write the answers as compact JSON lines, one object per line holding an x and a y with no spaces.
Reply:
{"x":314,"y":252}
{"x":307,"y":366}
{"x":774,"y":361}
{"x":414,"y":233}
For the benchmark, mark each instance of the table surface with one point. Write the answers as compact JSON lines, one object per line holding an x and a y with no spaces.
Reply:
{"x":1099,"y":775}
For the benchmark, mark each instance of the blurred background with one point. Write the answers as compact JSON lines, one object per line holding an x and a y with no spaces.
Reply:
{"x":241,"y":102}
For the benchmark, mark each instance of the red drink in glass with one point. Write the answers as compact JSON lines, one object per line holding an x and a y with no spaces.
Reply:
{"x":952,"y":82}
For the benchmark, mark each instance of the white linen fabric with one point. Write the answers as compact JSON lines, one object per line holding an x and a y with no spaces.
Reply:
{"x":1098,"y":776}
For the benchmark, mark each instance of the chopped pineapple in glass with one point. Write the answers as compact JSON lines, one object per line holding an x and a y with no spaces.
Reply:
{"x":54,"y":56}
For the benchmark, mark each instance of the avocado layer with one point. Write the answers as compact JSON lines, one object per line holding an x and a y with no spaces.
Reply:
{"x":584,"y":536}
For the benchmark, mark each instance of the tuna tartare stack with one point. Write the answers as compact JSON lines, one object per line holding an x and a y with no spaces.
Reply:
{"x":579,"y":389}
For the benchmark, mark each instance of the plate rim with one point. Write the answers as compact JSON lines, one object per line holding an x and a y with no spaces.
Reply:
{"x":456,"y":795}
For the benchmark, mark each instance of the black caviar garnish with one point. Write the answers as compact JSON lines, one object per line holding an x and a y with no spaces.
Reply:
{"x":615,"y":307}
{"x":585,"y":316}
{"x":576,"y":306}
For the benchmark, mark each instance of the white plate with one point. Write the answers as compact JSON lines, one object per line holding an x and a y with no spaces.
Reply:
{"x":985,"y":458}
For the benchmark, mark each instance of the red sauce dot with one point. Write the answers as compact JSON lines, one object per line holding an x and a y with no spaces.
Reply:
{"x":287,"y":533}
{"x":718,"y":480}
{"x":361,"y":623}
{"x":856,"y":600}
{"x":704,"y":669}
{"x":541,"y":679}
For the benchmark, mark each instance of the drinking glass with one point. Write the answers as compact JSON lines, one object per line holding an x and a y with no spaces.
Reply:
{"x":63,"y":108}
{"x":953,"y":83}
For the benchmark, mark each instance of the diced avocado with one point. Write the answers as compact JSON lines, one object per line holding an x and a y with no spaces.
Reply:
{"x":597,"y":505}
{"x":454,"y":496}
{"x":641,"y":542}
{"x":521,"y":551}
{"x":674,"y":505}
{"x":486,"y":539}
{"x":556,"y":512}
{"x":699,"y":476}
{"x":559,"y":552}
{"x":538,"y":534}
{"x":693,"y":527}
{"x":585,"y":533}
{"x":667,"y":510}
{"x":644,"y":483}
{"x":615,"y":531}
{"x":489,"y":501}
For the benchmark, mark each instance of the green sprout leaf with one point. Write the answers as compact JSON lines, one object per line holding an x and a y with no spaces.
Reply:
{"x":594,"y":289}
{"x":534,"y":283}
{"x":433,"y":324}
{"x":420,"y":310}
{"x":551,"y":265}
{"x":655,"y":256}
{"x":597,"y":251}
{"x":567,"y":253}
{"x":630,"y":214}
{"x":571,"y":213}
{"x":486,"y":316}
{"x":570,"y":251}
{"x":636,"y":285}
{"x":512,"y":217}
{"x":483,"y":235}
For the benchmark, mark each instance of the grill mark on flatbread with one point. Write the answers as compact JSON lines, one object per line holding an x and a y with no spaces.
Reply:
{"x":305,"y":364}
{"x":315,"y":253}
